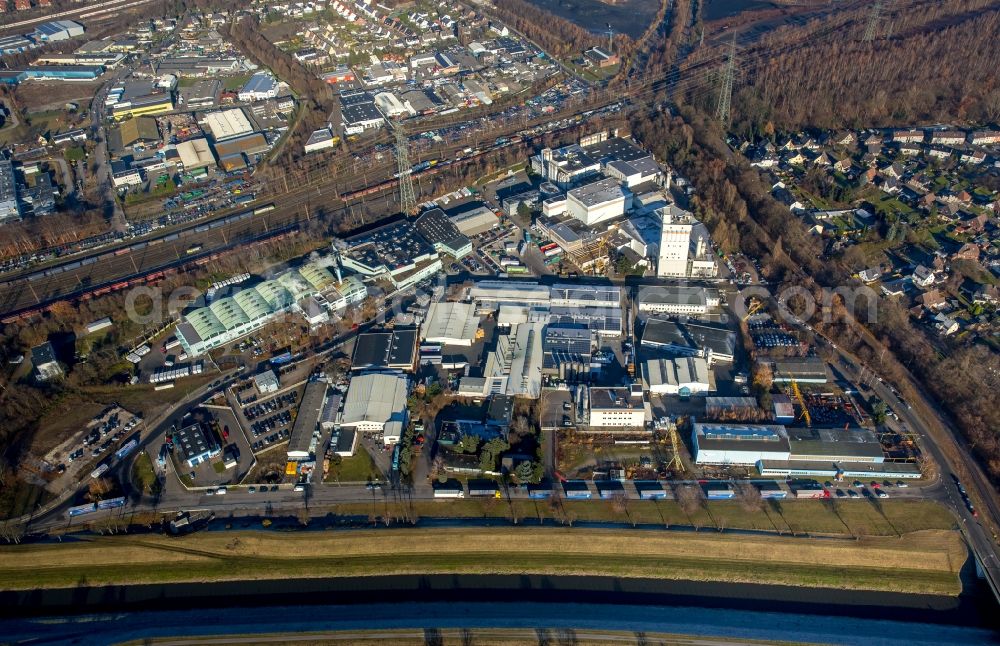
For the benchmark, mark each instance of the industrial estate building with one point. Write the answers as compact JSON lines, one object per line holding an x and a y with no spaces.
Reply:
{"x":450,"y":323}
{"x":226,"y":319}
{"x":196,"y":444}
{"x":691,"y":339}
{"x":392,"y":350}
{"x":305,"y":431}
{"x":777,"y":451}
{"x":616,"y":408}
{"x":678,"y":299}
{"x":376,"y":402}
{"x":682,"y":376}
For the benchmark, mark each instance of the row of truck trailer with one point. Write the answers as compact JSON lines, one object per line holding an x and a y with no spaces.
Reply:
{"x":608,"y":489}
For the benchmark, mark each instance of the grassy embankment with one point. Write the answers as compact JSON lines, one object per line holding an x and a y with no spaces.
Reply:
{"x":925,"y":562}
{"x":838,"y":518}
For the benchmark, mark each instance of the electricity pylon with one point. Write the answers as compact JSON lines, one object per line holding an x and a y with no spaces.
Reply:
{"x":726,"y":89}
{"x":407,"y":197}
{"x":874,"y":18}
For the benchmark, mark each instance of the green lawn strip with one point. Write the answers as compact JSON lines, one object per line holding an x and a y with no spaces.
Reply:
{"x":357,"y":468}
{"x":709,"y":568}
{"x":143,"y":474}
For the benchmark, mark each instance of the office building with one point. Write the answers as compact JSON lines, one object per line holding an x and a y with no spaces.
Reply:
{"x":260,"y":86}
{"x":196,"y":444}
{"x":616,"y":408}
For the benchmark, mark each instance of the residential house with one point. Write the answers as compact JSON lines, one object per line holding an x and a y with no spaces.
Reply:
{"x":922,"y":276}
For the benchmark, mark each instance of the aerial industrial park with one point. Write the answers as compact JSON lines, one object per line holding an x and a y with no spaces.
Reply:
{"x":521,"y":309}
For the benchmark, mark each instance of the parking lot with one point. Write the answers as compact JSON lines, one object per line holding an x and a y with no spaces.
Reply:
{"x":100,"y":437}
{"x":267,"y":419}
{"x":557,"y":410}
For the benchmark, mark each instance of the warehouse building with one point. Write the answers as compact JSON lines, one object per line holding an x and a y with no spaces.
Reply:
{"x":491,"y":294}
{"x":574,"y":295}
{"x":474,"y":221}
{"x":617,"y":408}
{"x":598,"y":201}
{"x":195,"y":154}
{"x":197,"y":65}
{"x":321,"y":139}
{"x":140,"y":130}
{"x":684,"y":376}
{"x":831,"y":470}
{"x":202,"y":94}
{"x":196,"y":444}
{"x":229,"y":318}
{"x":9,"y":208}
{"x":738,"y":444}
{"x":51,"y":32}
{"x":443,"y":234}
{"x":834,"y":445}
{"x":605,"y":321}
{"x":568,"y":350}
{"x":227,"y":124}
{"x":451,"y":324}
{"x":302,"y":440}
{"x":691,"y":339}
{"x":565,"y":166}
{"x":266,"y":382}
{"x":148,"y":104}
{"x":376,"y":402}
{"x":805,"y":370}
{"x":396,"y":252}
{"x":678,"y":299}
{"x":393,"y":350}
{"x":359,"y":112}
{"x":514,"y":367}
{"x":249,"y":145}
{"x":44,"y":362}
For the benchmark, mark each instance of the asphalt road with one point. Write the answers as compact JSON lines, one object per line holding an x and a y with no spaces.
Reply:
{"x":946,"y":491}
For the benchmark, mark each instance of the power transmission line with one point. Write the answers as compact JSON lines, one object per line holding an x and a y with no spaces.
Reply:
{"x":874,"y":18}
{"x":726,"y":90}
{"x":407,"y":197}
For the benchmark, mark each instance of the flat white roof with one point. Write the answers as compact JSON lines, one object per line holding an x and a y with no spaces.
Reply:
{"x":451,"y":323}
{"x":226,"y":124}
{"x":375,"y":398}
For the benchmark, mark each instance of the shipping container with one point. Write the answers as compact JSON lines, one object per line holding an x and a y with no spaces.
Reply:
{"x":483,"y":488}
{"x":650,"y":489}
{"x":539,"y":491}
{"x":577,"y":490}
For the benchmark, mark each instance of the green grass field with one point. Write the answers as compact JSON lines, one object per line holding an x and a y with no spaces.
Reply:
{"x":358,"y":468}
{"x":926,"y":562}
{"x":144,"y":475}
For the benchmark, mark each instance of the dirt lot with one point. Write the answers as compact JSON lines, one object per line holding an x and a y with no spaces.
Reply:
{"x":37,"y":96}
